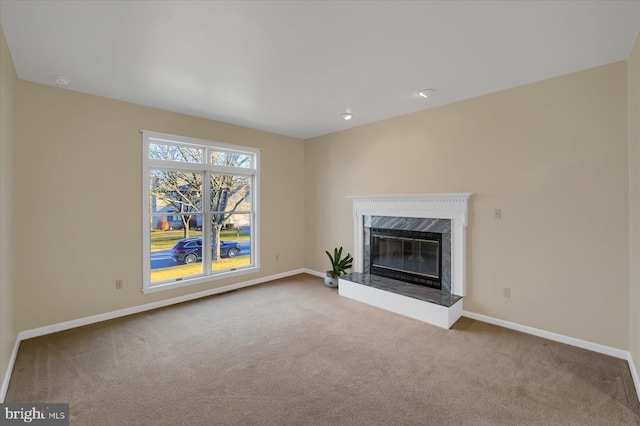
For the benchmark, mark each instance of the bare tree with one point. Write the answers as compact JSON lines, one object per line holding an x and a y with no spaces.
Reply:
{"x":182,"y":191}
{"x":228,"y":192}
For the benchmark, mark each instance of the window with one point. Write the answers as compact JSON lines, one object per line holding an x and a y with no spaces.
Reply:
{"x":200,"y":210}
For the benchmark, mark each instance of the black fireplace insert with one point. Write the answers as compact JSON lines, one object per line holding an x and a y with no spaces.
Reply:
{"x":410,"y":256}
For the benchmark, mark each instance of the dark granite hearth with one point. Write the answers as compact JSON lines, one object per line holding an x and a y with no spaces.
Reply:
{"x":405,"y":289}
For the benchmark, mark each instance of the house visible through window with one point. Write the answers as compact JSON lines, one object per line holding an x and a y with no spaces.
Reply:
{"x":200,"y":215}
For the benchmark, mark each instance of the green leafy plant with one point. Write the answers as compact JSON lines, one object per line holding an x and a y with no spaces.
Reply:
{"x":339,"y":264}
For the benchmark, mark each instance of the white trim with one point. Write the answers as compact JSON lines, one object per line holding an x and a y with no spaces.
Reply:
{"x":7,"y":374}
{"x":199,"y":279}
{"x":634,"y":374}
{"x":146,"y":245}
{"x":255,"y":219}
{"x":206,"y":168}
{"x":316,"y":273}
{"x":453,"y":206}
{"x":584,"y":344}
{"x":173,"y":139}
{"x":41,"y":331}
{"x":54,"y":328}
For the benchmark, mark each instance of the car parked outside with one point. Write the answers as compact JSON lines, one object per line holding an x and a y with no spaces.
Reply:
{"x":189,"y":250}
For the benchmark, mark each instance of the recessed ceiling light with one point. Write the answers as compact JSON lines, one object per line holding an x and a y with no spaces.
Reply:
{"x":62,"y":81}
{"x":426,"y":93}
{"x":347,"y":116}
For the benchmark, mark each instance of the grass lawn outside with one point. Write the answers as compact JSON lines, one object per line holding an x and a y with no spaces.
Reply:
{"x":167,"y":239}
{"x":196,"y":268}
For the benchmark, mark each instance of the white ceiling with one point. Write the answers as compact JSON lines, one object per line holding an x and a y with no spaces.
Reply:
{"x":293,"y":67}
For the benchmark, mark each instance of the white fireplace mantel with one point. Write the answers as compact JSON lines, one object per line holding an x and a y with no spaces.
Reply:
{"x":453,"y":206}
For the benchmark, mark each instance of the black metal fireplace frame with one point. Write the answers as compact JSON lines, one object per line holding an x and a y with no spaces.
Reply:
{"x":407,"y":276}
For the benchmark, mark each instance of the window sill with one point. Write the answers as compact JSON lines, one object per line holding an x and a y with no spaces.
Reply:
{"x":199,"y":280}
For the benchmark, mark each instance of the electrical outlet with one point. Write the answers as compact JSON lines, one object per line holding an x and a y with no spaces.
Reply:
{"x":497,"y":214}
{"x":119,"y":283}
{"x":506,"y":292}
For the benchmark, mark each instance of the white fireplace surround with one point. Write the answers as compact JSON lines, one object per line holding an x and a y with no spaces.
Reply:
{"x":453,"y":206}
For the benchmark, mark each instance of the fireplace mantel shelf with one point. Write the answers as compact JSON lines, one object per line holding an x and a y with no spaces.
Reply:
{"x":446,"y":196}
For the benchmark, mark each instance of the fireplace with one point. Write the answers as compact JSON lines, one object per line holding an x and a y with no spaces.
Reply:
{"x":413,"y":250}
{"x":409,"y":256}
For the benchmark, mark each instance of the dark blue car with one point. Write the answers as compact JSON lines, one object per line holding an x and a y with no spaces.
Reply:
{"x":189,"y":250}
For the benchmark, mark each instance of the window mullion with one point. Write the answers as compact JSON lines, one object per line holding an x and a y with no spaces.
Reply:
{"x":206,"y":218}
{"x":146,"y":217}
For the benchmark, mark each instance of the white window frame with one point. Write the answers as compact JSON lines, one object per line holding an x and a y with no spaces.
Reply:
{"x":207,"y":169}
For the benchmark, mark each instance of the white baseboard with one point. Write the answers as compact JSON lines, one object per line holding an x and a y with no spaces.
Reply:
{"x":584,"y":344}
{"x":316,"y":273}
{"x":41,"y":331}
{"x":54,"y":328}
{"x":634,"y":374}
{"x":7,"y":375}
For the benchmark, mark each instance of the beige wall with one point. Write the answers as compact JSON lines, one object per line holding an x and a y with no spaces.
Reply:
{"x":552,"y":155}
{"x":634,"y":203}
{"x":8,"y":82}
{"x":78,"y":201}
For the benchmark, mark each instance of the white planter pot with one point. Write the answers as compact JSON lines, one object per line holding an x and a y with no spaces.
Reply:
{"x":329,"y":281}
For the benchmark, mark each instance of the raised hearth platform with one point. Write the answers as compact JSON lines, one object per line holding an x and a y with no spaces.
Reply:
{"x":415,"y":301}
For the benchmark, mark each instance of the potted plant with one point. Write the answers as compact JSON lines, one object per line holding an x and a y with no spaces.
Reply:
{"x":339,"y":266}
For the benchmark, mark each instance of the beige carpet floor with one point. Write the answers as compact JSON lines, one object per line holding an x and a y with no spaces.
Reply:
{"x":293,"y":352}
